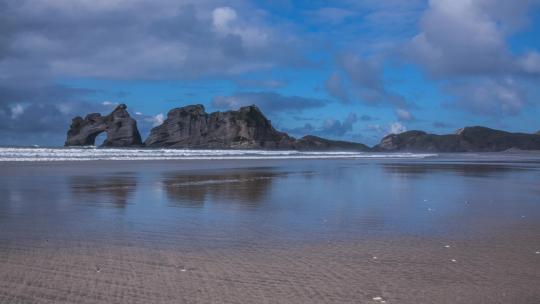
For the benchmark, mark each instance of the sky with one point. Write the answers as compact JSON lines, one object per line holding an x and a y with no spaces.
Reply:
{"x":347,"y":69}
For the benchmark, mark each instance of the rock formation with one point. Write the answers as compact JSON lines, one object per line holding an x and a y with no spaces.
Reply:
{"x":121,"y":129}
{"x":314,"y":143}
{"x":191,"y":127}
{"x":470,"y":139}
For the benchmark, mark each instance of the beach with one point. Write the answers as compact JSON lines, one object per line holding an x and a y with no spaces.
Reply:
{"x":457,"y":228}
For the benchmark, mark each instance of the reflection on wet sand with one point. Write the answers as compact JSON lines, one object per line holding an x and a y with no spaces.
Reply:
{"x":248,"y":187}
{"x":463,"y":169}
{"x":110,"y":190}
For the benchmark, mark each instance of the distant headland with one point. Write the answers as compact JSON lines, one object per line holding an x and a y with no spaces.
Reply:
{"x":190,"y":127}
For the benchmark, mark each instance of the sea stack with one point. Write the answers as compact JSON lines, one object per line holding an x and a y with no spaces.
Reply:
{"x":191,"y":127}
{"x":120,"y":127}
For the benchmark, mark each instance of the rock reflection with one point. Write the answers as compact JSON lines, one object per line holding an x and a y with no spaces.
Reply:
{"x":110,"y":190}
{"x":193,"y":190}
{"x":464,"y":169}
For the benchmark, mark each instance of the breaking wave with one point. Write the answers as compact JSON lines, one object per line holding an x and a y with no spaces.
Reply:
{"x":93,"y":153}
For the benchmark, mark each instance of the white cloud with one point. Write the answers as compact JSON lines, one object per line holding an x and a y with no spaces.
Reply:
{"x":165,"y":39}
{"x":459,"y":36}
{"x":221,"y":17}
{"x":488,"y":96}
{"x":464,"y":44}
{"x":361,"y":80}
{"x":404,"y":115}
{"x":108,"y":103}
{"x":16,"y":111}
{"x":469,"y":37}
{"x":396,"y":128}
{"x":531,"y":62}
{"x":158,"y":119}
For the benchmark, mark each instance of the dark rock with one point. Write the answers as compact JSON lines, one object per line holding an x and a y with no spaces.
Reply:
{"x":314,"y":143}
{"x":470,"y":139}
{"x":121,"y":129}
{"x":191,"y":127}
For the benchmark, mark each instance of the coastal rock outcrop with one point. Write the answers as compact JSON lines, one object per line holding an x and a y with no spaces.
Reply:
{"x":121,"y":129}
{"x":315,"y":143}
{"x":191,"y":127}
{"x":469,"y":139}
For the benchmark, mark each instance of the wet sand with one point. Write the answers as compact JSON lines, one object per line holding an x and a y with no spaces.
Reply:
{"x":404,"y":270}
{"x":437,"y":231}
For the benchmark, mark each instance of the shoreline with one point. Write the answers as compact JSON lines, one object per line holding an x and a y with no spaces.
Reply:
{"x":450,"y":229}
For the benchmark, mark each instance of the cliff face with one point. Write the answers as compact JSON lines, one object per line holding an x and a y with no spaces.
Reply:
{"x":470,"y":139}
{"x":192,"y":127}
{"x":121,"y":129}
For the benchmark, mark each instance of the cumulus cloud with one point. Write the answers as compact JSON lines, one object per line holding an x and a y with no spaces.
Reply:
{"x":404,"y":115}
{"x":336,"y":87}
{"x":221,"y":17}
{"x":381,"y":130}
{"x":306,"y":129}
{"x":41,"y":123}
{"x":16,"y":111}
{"x":464,"y":37}
{"x":360,"y":79}
{"x":165,"y":39}
{"x":268,"y":102}
{"x":337,"y":127}
{"x":330,"y":127}
{"x":42,"y":42}
{"x":488,"y":96}
{"x":108,"y":103}
{"x":158,"y":119}
{"x":465,"y":44}
{"x":397,"y":128}
{"x":530,"y":63}
{"x":458,"y":37}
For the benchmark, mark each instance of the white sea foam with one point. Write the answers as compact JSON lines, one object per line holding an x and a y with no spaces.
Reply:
{"x":93,"y":153}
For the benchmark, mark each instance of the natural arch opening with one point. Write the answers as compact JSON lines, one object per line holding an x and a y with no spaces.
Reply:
{"x":100,"y":139}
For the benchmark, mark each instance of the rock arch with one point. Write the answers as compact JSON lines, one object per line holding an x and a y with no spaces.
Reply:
{"x":121,"y":129}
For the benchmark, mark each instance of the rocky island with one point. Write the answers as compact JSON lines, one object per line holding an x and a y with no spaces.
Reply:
{"x":191,"y":127}
{"x":121,"y":129}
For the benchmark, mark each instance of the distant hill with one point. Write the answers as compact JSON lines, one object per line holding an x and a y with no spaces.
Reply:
{"x":314,"y":143}
{"x":469,"y":139}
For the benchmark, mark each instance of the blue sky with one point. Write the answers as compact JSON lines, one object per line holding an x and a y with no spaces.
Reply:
{"x":352,"y":70}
